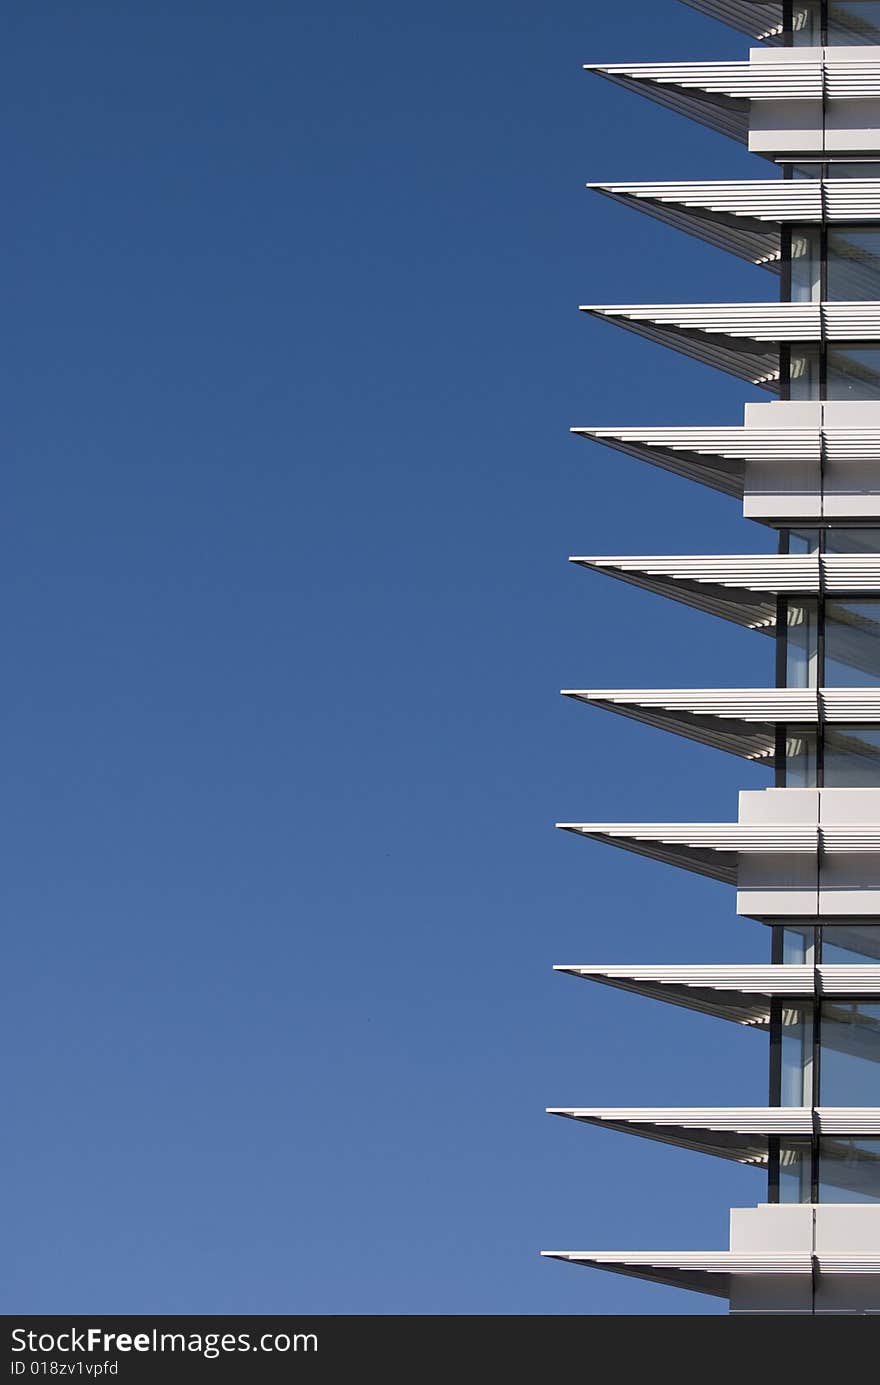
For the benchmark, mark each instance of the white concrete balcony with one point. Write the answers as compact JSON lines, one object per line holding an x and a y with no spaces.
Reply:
{"x":791,"y":461}
{"x":784,"y":103}
{"x":716,"y":849}
{"x":793,"y":1258}
{"x":794,"y":853}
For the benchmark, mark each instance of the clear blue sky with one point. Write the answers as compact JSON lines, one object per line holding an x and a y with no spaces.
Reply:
{"x":291,"y":350}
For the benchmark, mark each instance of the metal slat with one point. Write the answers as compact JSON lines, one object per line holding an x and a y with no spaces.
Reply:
{"x":747,"y":323}
{"x":736,"y":838}
{"x":745,"y":218}
{"x":745,"y":444}
{"x":719,"y":94}
{"x":747,"y":81}
{"x":741,"y":339}
{"x":718,"y":457}
{"x":742,"y":589}
{"x":740,"y":994}
{"x":741,"y":721}
{"x":761,"y":21}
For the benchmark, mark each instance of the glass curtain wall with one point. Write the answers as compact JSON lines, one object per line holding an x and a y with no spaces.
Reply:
{"x":825,"y":1050}
{"x":844,"y":23}
{"x":832,"y":264}
{"x":829,"y":642}
{"x":826,"y":1053}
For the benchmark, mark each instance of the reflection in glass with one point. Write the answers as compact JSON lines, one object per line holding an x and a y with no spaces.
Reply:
{"x":853,"y":373}
{"x":804,"y":374}
{"x":806,"y":24}
{"x":851,"y":540}
{"x":800,"y":759}
{"x":794,"y":1171}
{"x":864,"y":168}
{"x":852,"y":757}
{"x":853,"y":265}
{"x":798,"y":946}
{"x":803,"y":540}
{"x":797,"y":1057}
{"x":806,"y":266}
{"x":850,"y":1053}
{"x":801,"y":644}
{"x":852,"y":22}
{"x":849,"y":1170}
{"x":847,"y":943}
{"x":852,"y":644}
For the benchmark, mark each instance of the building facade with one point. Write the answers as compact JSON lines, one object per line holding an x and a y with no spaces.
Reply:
{"x":804,"y":855}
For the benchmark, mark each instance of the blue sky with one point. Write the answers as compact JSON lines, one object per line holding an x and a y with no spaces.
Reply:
{"x":291,"y":351}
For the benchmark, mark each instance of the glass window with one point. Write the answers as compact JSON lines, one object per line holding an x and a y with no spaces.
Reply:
{"x":803,"y":540}
{"x":853,"y":265}
{"x":851,"y":541}
{"x":797,"y":1058}
{"x":849,"y":1170}
{"x":800,"y":759}
{"x":806,"y":266}
{"x":865,"y":168}
{"x":853,"y":373}
{"x":798,"y":946}
{"x":804,"y":374}
{"x":801,"y":644}
{"x":849,"y":1071}
{"x":852,"y":645}
{"x":806,"y":24}
{"x":852,"y":757}
{"x":794,"y":1171}
{"x":848,"y":943}
{"x":853,"y":22}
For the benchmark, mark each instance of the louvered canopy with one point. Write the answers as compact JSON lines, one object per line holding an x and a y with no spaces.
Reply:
{"x":738,"y":1133}
{"x":760,"y":19}
{"x":714,"y":849}
{"x":741,"y":994}
{"x":707,"y":1271}
{"x":743,"y":589}
{"x":742,"y":721}
{"x":718,"y":457}
{"x":745,"y":218}
{"x":743,"y":339}
{"x":763,"y":20}
{"x":719,"y":94}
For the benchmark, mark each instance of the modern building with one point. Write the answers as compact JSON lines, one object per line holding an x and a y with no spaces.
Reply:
{"x":804,"y":855}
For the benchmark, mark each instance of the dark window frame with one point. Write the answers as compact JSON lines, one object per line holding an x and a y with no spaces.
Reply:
{"x":816,"y":936}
